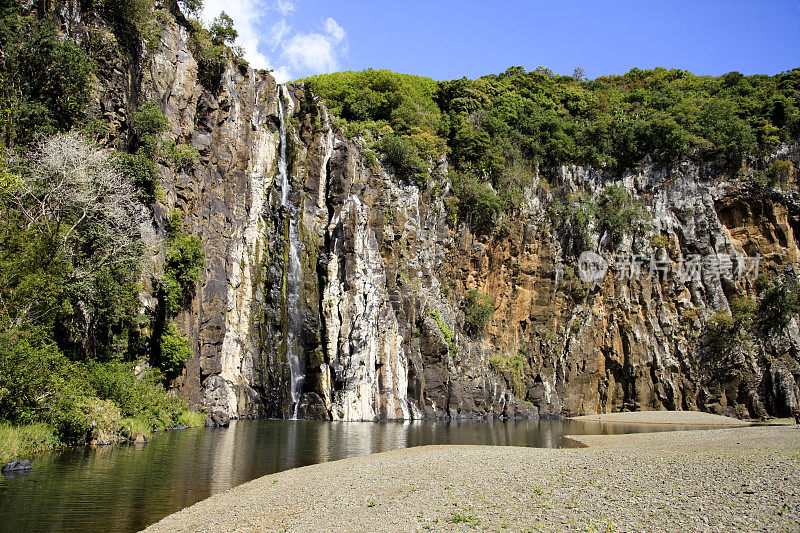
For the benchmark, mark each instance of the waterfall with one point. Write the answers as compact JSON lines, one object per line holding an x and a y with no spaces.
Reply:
{"x":293,"y":271}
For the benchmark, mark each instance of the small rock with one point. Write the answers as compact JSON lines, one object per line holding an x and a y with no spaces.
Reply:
{"x":218,"y":419}
{"x":16,"y":466}
{"x":139,"y":438}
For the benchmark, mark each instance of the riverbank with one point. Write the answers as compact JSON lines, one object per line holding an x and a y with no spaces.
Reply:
{"x":29,"y":440}
{"x":739,"y":478}
{"x":682,"y":418}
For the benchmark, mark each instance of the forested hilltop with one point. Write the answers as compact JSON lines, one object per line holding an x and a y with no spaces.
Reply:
{"x":500,"y":129}
{"x":145,"y":236}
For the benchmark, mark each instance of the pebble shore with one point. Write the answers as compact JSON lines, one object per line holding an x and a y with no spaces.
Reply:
{"x":733,"y":479}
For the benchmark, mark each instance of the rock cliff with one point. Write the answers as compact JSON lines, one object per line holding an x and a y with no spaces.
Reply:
{"x":334,"y":290}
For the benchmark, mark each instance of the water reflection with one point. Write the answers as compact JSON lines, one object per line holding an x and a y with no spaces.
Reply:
{"x":126,"y":488}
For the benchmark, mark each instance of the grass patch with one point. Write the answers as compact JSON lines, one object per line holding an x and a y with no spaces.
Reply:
{"x":458,"y":518}
{"x":513,"y":364}
{"x":447,"y":332}
{"x":24,"y":441}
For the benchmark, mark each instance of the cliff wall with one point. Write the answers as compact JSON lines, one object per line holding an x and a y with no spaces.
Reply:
{"x":334,"y":290}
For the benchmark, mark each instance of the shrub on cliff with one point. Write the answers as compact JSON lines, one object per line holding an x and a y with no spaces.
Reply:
{"x":479,"y":310}
{"x":44,"y":79}
{"x":778,"y":302}
{"x":174,"y":350}
{"x":402,"y":155}
{"x":618,"y":213}
{"x":514,"y":364}
{"x":720,"y":332}
{"x":212,"y":49}
{"x":478,"y":203}
{"x":185,"y":259}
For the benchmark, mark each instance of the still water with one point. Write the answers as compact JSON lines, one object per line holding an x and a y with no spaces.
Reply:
{"x":126,"y":488}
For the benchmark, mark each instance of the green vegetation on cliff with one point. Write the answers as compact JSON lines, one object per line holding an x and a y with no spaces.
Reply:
{"x":497,"y":129}
{"x":75,"y":342}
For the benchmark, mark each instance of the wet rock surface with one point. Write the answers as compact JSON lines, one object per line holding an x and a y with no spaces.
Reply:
{"x":16,"y":467}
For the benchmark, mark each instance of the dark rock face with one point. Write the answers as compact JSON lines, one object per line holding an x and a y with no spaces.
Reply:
{"x":378,"y":259}
{"x":16,"y":467}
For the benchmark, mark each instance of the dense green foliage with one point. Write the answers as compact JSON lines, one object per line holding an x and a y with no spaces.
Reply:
{"x":184,"y":264}
{"x":496,"y":130}
{"x":44,"y":79}
{"x":778,"y":302}
{"x":479,"y":310}
{"x":175,"y":350}
{"x":72,"y":329}
{"x":213,"y":49}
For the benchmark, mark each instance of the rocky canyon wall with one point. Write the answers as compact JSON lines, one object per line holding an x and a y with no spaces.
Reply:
{"x":334,"y":290}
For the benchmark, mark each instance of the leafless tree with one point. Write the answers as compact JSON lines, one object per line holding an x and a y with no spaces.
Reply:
{"x":70,"y":192}
{"x":70,"y":185}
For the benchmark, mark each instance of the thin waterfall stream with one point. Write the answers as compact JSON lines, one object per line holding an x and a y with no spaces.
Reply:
{"x":293,"y":269}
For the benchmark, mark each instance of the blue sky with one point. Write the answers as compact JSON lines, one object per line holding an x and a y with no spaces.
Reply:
{"x":451,"y":39}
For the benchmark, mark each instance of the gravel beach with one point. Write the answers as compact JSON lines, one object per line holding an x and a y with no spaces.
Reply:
{"x":683,"y":418}
{"x":745,"y":478}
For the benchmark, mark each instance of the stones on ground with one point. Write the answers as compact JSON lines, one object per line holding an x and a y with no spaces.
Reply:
{"x":16,"y":466}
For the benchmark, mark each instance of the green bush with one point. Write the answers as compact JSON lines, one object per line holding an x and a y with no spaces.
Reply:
{"x":403,"y":156}
{"x":211,"y":51}
{"x":447,"y":332}
{"x":777,"y":303}
{"x":149,"y":122}
{"x":513,"y":364}
{"x":478,"y":204}
{"x":32,"y":374}
{"x":573,"y":286}
{"x":45,"y":81}
{"x":185,"y":259}
{"x":141,"y":170}
{"x":173,"y":295}
{"x":618,"y":213}
{"x":174,"y":223}
{"x":179,"y":155}
{"x":479,"y":310}
{"x":779,"y":173}
{"x":174,"y":349}
{"x":183,"y":266}
{"x":222,"y":30}
{"x":720,"y":332}
{"x":142,"y":404}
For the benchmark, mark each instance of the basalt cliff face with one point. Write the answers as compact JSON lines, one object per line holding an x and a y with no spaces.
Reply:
{"x":334,"y":290}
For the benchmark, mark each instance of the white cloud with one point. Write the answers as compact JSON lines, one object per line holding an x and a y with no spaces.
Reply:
{"x":301,"y":53}
{"x":334,"y":30}
{"x":315,"y":53}
{"x":285,"y":6}
{"x":278,"y":33}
